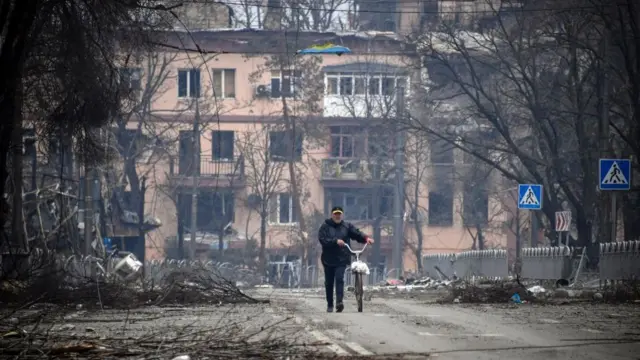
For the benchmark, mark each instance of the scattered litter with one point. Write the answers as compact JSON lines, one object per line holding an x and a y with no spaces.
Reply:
{"x":515,"y":298}
{"x":537,"y":290}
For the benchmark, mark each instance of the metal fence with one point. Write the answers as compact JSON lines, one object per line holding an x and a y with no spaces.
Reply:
{"x":468,"y":264}
{"x":618,"y":261}
{"x":547,"y":263}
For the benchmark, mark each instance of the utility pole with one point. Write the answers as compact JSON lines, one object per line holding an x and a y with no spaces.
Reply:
{"x":534,"y":228}
{"x":377,"y":219}
{"x":195,"y":168}
{"x":141,"y":232}
{"x":398,"y":199}
{"x":518,"y":243}
{"x":604,"y":127}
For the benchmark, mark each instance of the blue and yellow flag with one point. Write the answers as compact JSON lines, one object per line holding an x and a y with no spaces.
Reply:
{"x":326,"y":49}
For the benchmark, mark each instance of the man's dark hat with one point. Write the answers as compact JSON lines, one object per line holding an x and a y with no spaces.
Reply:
{"x":337,"y":210}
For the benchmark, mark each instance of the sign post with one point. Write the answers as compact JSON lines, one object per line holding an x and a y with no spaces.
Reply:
{"x":615,"y":174}
{"x":563,"y":224}
{"x":530,"y":198}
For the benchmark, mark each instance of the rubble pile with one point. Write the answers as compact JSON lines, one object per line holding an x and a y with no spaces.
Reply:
{"x":184,"y":286}
{"x":196,"y":286}
{"x":497,"y":292}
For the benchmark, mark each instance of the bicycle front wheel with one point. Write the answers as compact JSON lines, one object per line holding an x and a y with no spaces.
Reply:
{"x":359,"y":290}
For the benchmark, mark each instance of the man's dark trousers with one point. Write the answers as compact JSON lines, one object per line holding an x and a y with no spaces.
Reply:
{"x":334,"y":275}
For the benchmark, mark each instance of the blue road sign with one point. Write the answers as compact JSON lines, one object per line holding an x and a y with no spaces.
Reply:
{"x":530,"y":196}
{"x":615,"y":174}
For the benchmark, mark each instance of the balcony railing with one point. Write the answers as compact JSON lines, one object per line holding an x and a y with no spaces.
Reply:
{"x":355,"y":169}
{"x":208,"y":167}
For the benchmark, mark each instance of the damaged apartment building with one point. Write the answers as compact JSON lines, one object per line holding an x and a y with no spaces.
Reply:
{"x":225,"y":127}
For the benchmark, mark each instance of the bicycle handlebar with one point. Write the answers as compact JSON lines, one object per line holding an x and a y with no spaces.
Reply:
{"x":356,"y":251}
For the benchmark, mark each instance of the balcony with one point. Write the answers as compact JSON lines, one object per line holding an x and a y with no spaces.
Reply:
{"x":354,"y":172}
{"x":210,"y":172}
{"x":375,"y":106}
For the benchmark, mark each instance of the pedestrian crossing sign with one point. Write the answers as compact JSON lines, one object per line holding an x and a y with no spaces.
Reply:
{"x":615,"y":174}
{"x":530,"y":196}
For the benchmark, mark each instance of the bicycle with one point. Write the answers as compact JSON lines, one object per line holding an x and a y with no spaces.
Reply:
{"x":358,"y":268}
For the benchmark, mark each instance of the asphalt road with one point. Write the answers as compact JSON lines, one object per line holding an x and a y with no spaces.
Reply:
{"x":395,"y":326}
{"x":388,"y":328}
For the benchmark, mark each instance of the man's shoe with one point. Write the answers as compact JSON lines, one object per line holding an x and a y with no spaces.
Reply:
{"x":340,"y":307}
{"x":330,"y":309}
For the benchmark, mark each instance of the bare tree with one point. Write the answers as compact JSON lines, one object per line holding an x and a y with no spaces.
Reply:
{"x":524,"y":93}
{"x":264,"y":176}
{"x":417,"y":159}
{"x":140,"y":137}
{"x":59,"y":74}
{"x":298,"y":96}
{"x":315,"y":15}
{"x":365,"y":91}
{"x":620,"y":82}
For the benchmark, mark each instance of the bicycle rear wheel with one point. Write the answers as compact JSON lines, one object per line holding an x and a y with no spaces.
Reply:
{"x":359,"y":290}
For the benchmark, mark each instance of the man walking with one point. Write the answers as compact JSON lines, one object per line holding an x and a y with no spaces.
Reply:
{"x":333,"y":235}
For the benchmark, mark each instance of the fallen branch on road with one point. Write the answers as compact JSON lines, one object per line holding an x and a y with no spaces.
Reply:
{"x":225,"y":340}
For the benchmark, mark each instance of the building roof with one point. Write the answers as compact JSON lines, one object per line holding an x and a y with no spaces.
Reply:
{"x":244,"y":41}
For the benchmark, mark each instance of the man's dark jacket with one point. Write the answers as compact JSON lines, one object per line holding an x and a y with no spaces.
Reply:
{"x":330,"y":232}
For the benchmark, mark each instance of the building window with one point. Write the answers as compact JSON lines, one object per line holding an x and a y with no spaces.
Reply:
{"x":135,"y":145}
{"x":475,"y":204}
{"x":346,"y":84}
{"x":285,"y":83}
{"x":282,"y":209}
{"x":441,"y":196}
{"x":189,"y":83}
{"x":441,"y":206}
{"x":361,"y":84}
{"x":130,"y":78}
{"x":347,"y":141}
{"x":358,"y":203}
{"x":216,"y":209}
{"x":222,"y":144}
{"x":380,"y":144}
{"x":441,"y":152}
{"x":284,"y":143}
{"x":224,"y":83}
{"x":29,"y":142}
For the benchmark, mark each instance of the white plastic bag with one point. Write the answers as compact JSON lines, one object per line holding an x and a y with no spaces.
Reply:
{"x":360,"y":267}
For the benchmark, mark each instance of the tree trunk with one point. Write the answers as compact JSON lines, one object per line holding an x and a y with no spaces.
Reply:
{"x":290,"y":128}
{"x":480,"y":237}
{"x":17,"y":220}
{"x":631,"y":216}
{"x":262,"y":264}
{"x":377,"y":232}
{"x":420,"y":236}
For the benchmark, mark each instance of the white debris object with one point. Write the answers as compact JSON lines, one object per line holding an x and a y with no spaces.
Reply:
{"x":537,"y":290}
{"x":360,"y":267}
{"x":128,"y":267}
